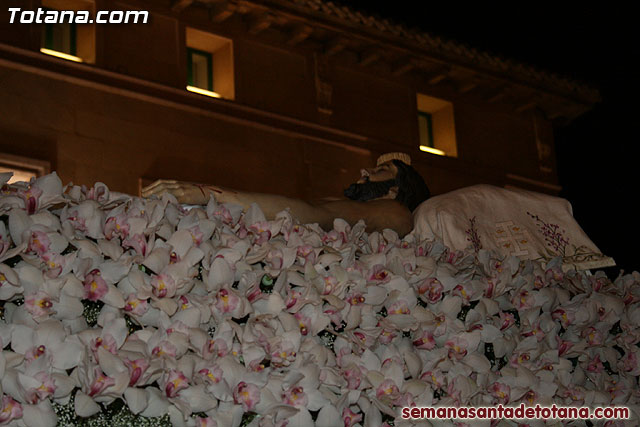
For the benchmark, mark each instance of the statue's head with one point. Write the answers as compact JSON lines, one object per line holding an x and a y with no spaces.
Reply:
{"x":392,"y":178}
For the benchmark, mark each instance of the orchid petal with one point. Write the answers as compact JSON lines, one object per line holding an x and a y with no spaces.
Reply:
{"x":376,"y":295}
{"x":87,"y":249}
{"x":137,"y":399}
{"x":64,"y":385}
{"x":67,"y":354}
{"x":31,"y":278}
{"x":113,"y":271}
{"x":22,"y":338}
{"x":158,"y":259}
{"x":110,"y":249}
{"x":68,"y":307}
{"x":117,"y":328}
{"x":7,"y":292}
{"x":114,"y":297}
{"x":253,"y":215}
{"x":181,"y":241}
{"x":478,"y":362}
{"x":329,"y":417}
{"x":198,"y":399}
{"x":167,"y":305}
{"x":41,"y":414}
{"x":274,"y":304}
{"x":177,"y":413}
{"x":220,"y":274}
{"x":19,"y":223}
{"x":414,"y":363}
{"x":84,"y":405}
{"x":73,"y":287}
{"x":51,"y":187}
{"x":302,"y":418}
{"x":110,"y":364}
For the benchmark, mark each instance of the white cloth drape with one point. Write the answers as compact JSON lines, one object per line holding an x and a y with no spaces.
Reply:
{"x":523,"y":223}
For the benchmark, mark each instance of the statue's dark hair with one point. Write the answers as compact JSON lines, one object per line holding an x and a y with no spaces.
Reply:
{"x":412,"y":190}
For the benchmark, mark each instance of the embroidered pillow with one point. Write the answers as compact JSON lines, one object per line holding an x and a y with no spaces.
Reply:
{"x":526,"y":224}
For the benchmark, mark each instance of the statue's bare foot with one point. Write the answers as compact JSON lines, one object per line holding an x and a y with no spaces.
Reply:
{"x":182,"y":191}
{"x":189,"y":193}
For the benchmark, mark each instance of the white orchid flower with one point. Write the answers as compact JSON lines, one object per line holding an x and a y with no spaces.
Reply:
{"x":9,"y":283}
{"x":40,"y":193}
{"x":233,"y":313}
{"x":49,"y":340}
{"x":87,"y":219}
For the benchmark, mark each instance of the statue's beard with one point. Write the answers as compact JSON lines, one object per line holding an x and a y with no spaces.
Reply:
{"x":369,"y":190}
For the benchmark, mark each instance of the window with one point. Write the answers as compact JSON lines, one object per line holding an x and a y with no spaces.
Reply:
{"x":425,"y":126}
{"x":23,"y":168}
{"x":436,"y":128}
{"x":209,"y":64}
{"x":60,"y":37}
{"x":66,"y":39}
{"x":199,"y":69}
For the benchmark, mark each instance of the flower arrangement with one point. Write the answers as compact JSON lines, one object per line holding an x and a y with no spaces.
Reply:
{"x":120,"y":310}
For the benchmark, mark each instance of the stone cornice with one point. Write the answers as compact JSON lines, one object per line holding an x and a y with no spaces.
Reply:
{"x":339,"y":28}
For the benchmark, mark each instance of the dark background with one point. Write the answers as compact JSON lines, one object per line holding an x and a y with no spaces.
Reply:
{"x":597,"y":153}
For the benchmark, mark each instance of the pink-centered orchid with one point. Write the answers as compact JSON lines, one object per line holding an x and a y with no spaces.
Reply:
{"x":100,"y":383}
{"x":355,"y":326}
{"x":174,"y":382}
{"x":135,"y":306}
{"x":39,"y":305}
{"x":43,"y":387}
{"x":31,"y":196}
{"x":164,"y":286}
{"x":11,"y":410}
{"x":247,"y":395}
{"x":95,"y":287}
{"x":350,"y":418}
{"x":137,"y":368}
{"x":117,"y":226}
{"x":431,"y":290}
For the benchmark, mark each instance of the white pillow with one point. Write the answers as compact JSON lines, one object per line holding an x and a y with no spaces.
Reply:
{"x":523,"y":223}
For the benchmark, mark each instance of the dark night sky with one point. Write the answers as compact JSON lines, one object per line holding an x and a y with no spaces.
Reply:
{"x":597,"y":153}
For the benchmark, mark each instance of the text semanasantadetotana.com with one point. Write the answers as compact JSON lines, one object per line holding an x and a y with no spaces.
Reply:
{"x":50,"y":16}
{"x":518,"y":412}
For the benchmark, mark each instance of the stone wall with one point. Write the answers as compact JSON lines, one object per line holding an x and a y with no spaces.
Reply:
{"x":125,"y":119}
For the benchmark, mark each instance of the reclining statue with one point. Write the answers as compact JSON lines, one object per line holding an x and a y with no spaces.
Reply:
{"x":384,"y":197}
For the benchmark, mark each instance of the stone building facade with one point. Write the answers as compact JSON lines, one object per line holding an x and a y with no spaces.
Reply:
{"x":291,"y":97}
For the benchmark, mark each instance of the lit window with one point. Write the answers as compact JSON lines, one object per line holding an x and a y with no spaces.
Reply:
{"x":209,"y":64}
{"x":19,"y":174}
{"x":425,"y":127}
{"x":23,"y":168}
{"x":60,"y":37}
{"x":199,"y":69}
{"x":66,"y":39}
{"x":436,"y":127}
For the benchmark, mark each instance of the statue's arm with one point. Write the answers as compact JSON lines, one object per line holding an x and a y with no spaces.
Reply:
{"x":271,"y":204}
{"x":377,"y":214}
{"x":185,"y":192}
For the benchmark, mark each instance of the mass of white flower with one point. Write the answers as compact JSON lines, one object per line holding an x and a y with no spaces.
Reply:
{"x":208,"y":316}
